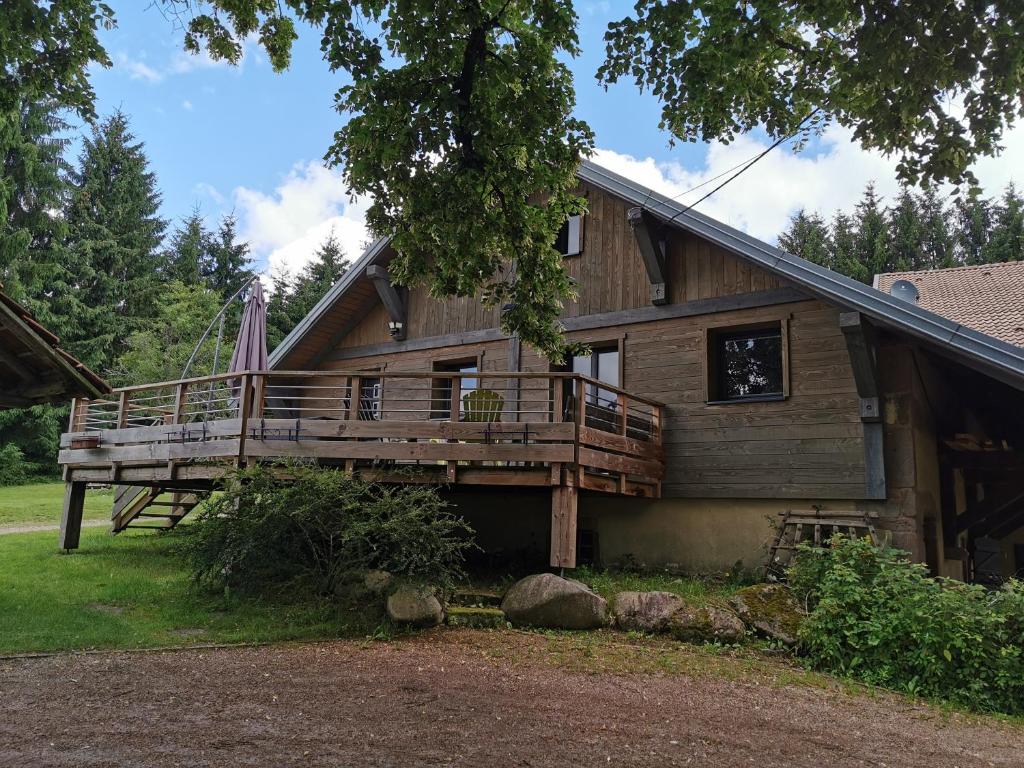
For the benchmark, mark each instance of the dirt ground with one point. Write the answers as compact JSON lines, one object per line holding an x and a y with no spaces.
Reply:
{"x":465,"y":698}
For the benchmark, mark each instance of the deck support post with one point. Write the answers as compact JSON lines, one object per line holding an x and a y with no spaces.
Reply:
{"x":860,"y":343}
{"x":71,"y":518}
{"x":564,"y":502}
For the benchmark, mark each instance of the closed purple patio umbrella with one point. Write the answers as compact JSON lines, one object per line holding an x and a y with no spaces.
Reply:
{"x":251,"y":347}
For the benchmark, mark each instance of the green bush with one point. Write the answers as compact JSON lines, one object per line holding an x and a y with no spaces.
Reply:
{"x":14,"y":470}
{"x":265,"y":533}
{"x":878,"y":617}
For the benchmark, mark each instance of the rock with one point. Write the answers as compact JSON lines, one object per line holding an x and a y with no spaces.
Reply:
{"x":415,"y":605}
{"x":477,"y":617}
{"x":645,"y":611}
{"x":771,"y":610}
{"x":546,"y":600}
{"x":377,"y":582}
{"x":706,"y":624}
{"x":364,"y":586}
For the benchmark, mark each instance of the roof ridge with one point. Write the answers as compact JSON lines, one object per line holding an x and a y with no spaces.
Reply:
{"x":963,"y":268}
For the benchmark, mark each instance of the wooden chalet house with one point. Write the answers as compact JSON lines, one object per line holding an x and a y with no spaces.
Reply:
{"x":728,"y":381}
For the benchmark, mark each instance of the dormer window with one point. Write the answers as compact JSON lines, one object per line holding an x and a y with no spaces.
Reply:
{"x":570,"y":237}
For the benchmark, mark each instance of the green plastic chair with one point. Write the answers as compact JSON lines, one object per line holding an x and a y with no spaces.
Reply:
{"x":482,"y":405}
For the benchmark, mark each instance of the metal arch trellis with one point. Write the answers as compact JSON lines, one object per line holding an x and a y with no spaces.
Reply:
{"x":218,"y":321}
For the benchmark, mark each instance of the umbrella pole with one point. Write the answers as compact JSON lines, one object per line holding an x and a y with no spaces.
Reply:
{"x":216,"y":360}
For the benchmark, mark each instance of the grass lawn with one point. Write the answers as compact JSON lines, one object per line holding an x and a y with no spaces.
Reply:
{"x":41,"y":503}
{"x":133,"y":590}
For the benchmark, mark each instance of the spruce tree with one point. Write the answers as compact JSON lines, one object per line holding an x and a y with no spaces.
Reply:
{"x":871,"y":240}
{"x":1006,"y":238}
{"x":807,"y":236}
{"x":113,"y":242}
{"x":187,"y":255}
{"x":227,"y":265}
{"x":844,"y":244}
{"x":937,"y":237}
{"x":904,"y":249}
{"x":972,"y":222}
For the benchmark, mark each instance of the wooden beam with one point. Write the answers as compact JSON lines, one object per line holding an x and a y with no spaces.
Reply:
{"x":389,"y":296}
{"x":860,"y":344}
{"x":513,"y":363}
{"x":564,"y":502}
{"x":982,"y":516}
{"x":738,"y":301}
{"x":13,"y":362}
{"x":71,"y":517}
{"x":652,"y":251}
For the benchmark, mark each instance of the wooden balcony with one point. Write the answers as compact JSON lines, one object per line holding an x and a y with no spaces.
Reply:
{"x":560,"y":430}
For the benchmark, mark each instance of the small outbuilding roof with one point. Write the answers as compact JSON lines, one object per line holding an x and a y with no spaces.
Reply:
{"x":33,"y":367}
{"x":987,"y":297}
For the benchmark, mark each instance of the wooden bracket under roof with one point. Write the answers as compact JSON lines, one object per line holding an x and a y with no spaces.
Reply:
{"x":861,"y":345}
{"x":652,"y":250}
{"x":393,"y":301}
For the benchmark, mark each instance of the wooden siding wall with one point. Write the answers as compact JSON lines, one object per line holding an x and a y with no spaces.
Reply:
{"x":808,"y":446}
{"x":609,"y":276}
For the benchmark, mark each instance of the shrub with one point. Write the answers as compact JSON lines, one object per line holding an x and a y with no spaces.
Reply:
{"x":880,"y":618}
{"x":264,"y":532}
{"x":14,"y":470}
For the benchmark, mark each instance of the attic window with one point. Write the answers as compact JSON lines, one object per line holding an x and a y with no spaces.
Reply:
{"x":570,"y":237}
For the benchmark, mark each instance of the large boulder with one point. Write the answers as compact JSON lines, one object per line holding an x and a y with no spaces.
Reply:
{"x":770,"y":610}
{"x":706,"y":624}
{"x":415,"y":605}
{"x":645,"y":611}
{"x":546,"y":600}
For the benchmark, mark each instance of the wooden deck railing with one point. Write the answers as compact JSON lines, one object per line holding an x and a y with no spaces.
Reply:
{"x":478,"y":421}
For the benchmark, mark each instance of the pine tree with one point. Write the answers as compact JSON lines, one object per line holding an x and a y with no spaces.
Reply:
{"x":807,"y":236}
{"x":871,"y":239}
{"x":1006,"y":238}
{"x":973,"y":220}
{"x":32,"y":233}
{"x":937,"y":238}
{"x":187,"y":256}
{"x":114,"y":241}
{"x":228,"y":265}
{"x":904,"y":249}
{"x":293,"y":298}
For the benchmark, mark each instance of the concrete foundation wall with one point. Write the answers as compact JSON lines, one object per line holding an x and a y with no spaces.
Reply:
{"x":691,"y":535}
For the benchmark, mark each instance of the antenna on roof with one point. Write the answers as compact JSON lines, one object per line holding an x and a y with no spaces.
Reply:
{"x":905,"y":290}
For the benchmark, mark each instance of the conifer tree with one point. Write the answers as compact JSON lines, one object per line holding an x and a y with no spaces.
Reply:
{"x":114,"y":238}
{"x":1006,"y":238}
{"x":807,"y":235}
{"x":972,"y":223}
{"x":905,"y":246}
{"x":228,"y":264}
{"x":937,"y":238}
{"x":187,"y":255}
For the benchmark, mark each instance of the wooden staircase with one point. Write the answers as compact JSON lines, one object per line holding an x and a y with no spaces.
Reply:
{"x":147,"y":507}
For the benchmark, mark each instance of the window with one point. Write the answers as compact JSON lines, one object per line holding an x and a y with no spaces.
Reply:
{"x":570,"y":237}
{"x":369,"y":399}
{"x":602,"y":364}
{"x":747,"y":364}
{"x":441,"y":391}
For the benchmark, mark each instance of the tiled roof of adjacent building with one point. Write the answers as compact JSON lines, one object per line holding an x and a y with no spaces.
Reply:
{"x":988,"y":297}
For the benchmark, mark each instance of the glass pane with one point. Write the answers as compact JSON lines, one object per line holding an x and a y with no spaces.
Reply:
{"x":750,"y":364}
{"x":608,"y":371}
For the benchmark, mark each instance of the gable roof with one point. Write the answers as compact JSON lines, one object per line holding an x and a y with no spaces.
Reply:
{"x":987,"y":297}
{"x":33,"y":367}
{"x":997,"y":358}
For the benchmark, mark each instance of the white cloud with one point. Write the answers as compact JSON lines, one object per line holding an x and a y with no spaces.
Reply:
{"x":186,"y":104}
{"x":286,"y":226}
{"x":761,"y":200}
{"x":208,"y":190}
{"x":137,"y":69}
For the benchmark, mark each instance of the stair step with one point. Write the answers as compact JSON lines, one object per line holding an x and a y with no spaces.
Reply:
{"x":477,"y":618}
{"x":476,"y":598}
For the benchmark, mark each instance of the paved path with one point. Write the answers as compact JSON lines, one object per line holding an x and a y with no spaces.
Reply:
{"x":6,"y":529}
{"x":460,"y":698}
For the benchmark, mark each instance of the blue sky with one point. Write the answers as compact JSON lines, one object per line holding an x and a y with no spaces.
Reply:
{"x":247,"y":140}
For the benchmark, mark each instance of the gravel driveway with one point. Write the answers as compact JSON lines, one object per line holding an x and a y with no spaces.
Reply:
{"x":466,"y":698}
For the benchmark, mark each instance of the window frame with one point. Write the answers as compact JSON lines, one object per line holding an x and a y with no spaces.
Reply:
{"x":449,"y":365}
{"x":709,"y":358}
{"x":573,"y":246}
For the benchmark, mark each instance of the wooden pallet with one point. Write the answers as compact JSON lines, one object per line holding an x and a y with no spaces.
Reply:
{"x":815,"y":527}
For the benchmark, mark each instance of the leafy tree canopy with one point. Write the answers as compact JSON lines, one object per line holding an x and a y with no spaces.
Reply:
{"x":461,"y":113}
{"x":889,"y":71}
